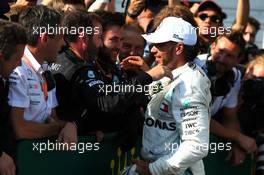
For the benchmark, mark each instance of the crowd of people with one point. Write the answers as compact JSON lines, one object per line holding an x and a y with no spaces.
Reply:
{"x":76,"y":67}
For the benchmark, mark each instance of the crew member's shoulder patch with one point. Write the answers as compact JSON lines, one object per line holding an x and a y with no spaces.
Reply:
{"x":95,"y":82}
{"x":115,"y":79}
{"x":55,"y":67}
{"x":90,"y":74}
{"x":192,"y":65}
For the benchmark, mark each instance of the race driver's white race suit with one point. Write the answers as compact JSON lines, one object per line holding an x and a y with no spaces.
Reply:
{"x":176,"y":128}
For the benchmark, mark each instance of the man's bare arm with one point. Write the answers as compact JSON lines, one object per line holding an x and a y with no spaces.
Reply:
{"x":31,"y":130}
{"x":172,"y":3}
{"x":219,"y":130}
{"x":242,"y":14}
{"x":231,"y":130}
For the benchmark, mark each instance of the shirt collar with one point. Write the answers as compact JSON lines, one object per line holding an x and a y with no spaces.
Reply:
{"x":73,"y":57}
{"x":176,"y":72}
{"x":34,"y":63}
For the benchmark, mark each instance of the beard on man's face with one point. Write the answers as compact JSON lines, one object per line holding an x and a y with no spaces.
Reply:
{"x":114,"y":54}
{"x":105,"y":54}
{"x":92,"y":51}
{"x":122,"y":55}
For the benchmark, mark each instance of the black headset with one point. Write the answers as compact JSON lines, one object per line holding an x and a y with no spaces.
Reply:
{"x":220,"y":86}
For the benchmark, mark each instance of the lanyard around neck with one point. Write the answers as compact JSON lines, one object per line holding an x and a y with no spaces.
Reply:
{"x":43,"y":82}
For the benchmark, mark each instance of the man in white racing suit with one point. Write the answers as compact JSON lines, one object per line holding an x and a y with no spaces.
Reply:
{"x":176,"y":128}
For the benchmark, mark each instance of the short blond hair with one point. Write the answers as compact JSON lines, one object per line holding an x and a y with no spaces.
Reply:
{"x":55,"y":4}
{"x":257,"y":61}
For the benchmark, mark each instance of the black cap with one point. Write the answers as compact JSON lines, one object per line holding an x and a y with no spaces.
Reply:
{"x":211,"y":4}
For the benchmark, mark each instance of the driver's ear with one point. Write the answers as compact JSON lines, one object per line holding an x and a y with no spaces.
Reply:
{"x":179,"y":48}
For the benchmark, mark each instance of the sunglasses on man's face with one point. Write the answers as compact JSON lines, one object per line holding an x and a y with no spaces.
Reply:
{"x":214,"y":18}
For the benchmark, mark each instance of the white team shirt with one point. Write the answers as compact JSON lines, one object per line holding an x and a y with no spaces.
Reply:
{"x":25,"y":91}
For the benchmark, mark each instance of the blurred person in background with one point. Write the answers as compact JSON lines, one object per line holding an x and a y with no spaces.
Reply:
{"x":21,"y":4}
{"x":251,"y":30}
{"x":142,"y":12}
{"x":132,"y":47}
{"x":24,"y":3}
{"x":74,"y":5}
{"x":209,"y":17}
{"x":112,"y":34}
{"x":32,"y":87}
{"x":220,"y":66}
{"x":252,"y":107}
{"x":65,"y":5}
{"x":55,"y":4}
{"x":106,"y":5}
{"x":18,"y":6}
{"x":12,"y":43}
{"x":249,"y":36}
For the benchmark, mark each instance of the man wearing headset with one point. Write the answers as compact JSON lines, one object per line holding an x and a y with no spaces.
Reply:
{"x":225,"y":79}
{"x":12,"y":43}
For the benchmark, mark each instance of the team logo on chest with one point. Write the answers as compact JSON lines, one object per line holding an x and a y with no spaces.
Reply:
{"x":160,"y":124}
{"x":164,"y":106}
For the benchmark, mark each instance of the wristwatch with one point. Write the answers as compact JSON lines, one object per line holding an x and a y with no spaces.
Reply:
{"x":132,"y":15}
